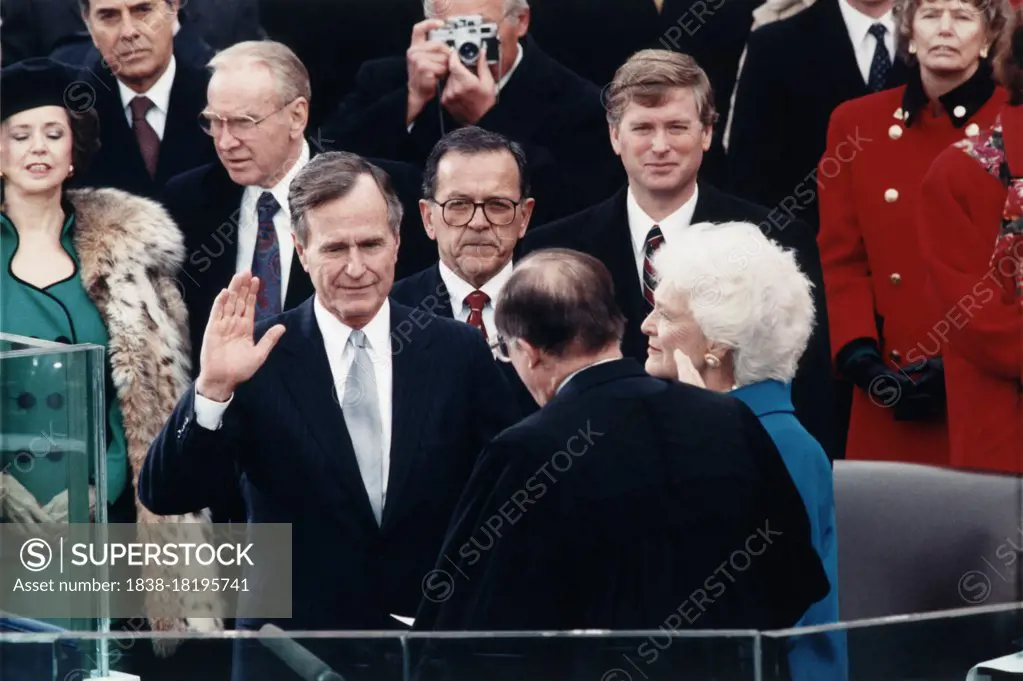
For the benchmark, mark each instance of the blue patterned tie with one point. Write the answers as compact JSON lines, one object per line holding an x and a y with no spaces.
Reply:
{"x":266,"y":261}
{"x":882,"y":62}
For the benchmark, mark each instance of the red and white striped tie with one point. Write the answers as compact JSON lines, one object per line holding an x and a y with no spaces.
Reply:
{"x":654,"y":239}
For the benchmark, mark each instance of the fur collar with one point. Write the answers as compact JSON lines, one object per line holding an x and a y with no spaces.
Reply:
{"x":130,"y":250}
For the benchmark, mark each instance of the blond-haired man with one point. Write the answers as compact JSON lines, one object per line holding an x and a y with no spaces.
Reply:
{"x":661,"y":119}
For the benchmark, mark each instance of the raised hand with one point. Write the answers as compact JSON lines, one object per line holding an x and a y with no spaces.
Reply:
{"x":230,"y":355}
{"x":687,"y":372}
{"x":427,"y":62}
{"x":469,"y":95}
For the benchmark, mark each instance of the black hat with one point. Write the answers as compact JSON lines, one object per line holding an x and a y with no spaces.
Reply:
{"x":34,"y":83}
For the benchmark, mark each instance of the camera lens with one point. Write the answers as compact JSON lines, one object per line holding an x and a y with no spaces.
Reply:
{"x":469,"y":52}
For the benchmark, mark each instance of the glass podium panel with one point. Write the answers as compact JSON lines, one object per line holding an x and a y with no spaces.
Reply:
{"x":52,"y":455}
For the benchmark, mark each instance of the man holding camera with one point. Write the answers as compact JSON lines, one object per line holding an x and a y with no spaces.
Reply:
{"x":451,"y":77}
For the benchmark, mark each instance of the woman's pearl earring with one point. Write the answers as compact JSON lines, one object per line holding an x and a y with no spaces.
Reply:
{"x":71,"y":170}
{"x":912,"y":47}
{"x":712,"y":361}
{"x":983,"y":52}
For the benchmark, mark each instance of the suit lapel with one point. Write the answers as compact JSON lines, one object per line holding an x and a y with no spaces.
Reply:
{"x":116,"y":132}
{"x":613,"y":246}
{"x":413,"y":378}
{"x":309,"y":381}
{"x":181,"y":135}
{"x":434,"y":282}
{"x":840,"y":67}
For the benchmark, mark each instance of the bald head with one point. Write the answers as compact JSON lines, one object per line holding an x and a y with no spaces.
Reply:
{"x":561,"y":302}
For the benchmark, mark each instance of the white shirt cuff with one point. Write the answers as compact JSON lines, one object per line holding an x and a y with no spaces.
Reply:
{"x":210,"y":414}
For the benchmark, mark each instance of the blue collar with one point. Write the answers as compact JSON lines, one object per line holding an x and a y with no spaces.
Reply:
{"x":766,"y":397}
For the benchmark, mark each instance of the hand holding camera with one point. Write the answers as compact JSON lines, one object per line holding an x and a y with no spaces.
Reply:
{"x":460,"y":50}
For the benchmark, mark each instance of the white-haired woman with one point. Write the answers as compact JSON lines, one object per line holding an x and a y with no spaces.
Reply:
{"x":733,"y":313}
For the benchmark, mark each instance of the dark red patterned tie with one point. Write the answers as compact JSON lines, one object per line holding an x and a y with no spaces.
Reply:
{"x":149,"y":141}
{"x":476,"y":301}
{"x":654,"y":239}
{"x":266,"y":260}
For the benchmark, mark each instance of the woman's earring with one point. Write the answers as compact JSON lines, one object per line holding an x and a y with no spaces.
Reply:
{"x":983,"y":52}
{"x":912,"y":47}
{"x":712,"y":361}
{"x":71,"y":170}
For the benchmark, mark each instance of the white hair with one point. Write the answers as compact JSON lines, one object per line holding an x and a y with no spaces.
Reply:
{"x":290,"y":75}
{"x":512,"y":7}
{"x":745,"y":292}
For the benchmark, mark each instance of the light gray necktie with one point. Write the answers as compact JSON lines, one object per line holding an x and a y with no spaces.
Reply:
{"x":361,"y":410}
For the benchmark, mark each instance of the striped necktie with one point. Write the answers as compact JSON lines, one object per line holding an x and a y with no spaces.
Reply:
{"x":654,"y":239}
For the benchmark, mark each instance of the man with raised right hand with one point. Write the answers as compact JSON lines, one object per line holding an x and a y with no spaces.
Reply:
{"x":352,"y":418}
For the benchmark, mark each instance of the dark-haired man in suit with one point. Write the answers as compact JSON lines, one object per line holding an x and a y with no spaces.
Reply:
{"x":354,"y":419}
{"x":148,"y":99}
{"x":401,"y":106}
{"x":662,"y":118}
{"x":476,"y":205}
{"x":796,"y":72}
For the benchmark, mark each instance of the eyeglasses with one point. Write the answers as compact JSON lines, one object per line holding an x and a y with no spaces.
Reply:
{"x":500,"y":348}
{"x":460,"y":212}
{"x":238,"y":126}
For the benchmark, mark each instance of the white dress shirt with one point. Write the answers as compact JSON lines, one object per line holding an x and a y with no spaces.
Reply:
{"x":458,"y":289}
{"x":248,"y":223}
{"x":858,"y":25}
{"x":209,"y":414}
{"x":561,"y":386}
{"x":640,"y":224}
{"x":159,"y":95}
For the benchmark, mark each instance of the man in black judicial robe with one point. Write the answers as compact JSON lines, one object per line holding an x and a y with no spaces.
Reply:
{"x":626,"y":502}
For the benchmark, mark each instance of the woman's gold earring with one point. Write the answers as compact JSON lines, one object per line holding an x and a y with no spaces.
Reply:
{"x":71,"y":170}
{"x":983,"y":52}
{"x":912,"y":47}
{"x":712,"y":361}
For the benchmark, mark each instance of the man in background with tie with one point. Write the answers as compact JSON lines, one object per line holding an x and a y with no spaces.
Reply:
{"x":476,"y":205}
{"x":353,"y":418}
{"x":661,"y":120}
{"x":148,"y":101}
{"x":796,"y":72}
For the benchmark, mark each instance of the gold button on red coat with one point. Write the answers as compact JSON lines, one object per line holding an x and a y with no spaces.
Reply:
{"x":895,"y":132}
{"x":895,"y":278}
{"x":972,"y":130}
{"x":891,"y":195}
{"x":895,"y":355}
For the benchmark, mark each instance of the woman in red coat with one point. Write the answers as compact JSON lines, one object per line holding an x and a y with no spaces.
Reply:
{"x":971,"y":237}
{"x":883,"y":338}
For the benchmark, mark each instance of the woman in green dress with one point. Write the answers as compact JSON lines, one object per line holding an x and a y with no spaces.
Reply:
{"x":81,"y":266}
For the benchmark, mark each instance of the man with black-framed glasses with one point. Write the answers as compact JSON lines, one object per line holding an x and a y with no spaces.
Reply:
{"x":477,"y":205}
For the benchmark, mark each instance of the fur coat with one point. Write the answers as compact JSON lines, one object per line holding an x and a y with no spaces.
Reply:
{"x":130,"y":251}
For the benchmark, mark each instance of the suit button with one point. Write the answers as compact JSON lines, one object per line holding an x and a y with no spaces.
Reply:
{"x":891,"y":195}
{"x":895,"y":132}
{"x":895,"y":278}
{"x":895,"y":355}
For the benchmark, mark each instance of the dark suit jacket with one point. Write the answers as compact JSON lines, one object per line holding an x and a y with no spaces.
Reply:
{"x":797,"y":71}
{"x":426,"y":291}
{"x":556,"y":115}
{"x":603,"y":231}
{"x":206,"y":205}
{"x":285,"y":432}
{"x":184,"y":146}
{"x":612,"y":507}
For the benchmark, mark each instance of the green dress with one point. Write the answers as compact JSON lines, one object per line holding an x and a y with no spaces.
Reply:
{"x":33,"y":417}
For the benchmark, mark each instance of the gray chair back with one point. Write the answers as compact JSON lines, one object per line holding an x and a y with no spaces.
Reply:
{"x":915,"y":538}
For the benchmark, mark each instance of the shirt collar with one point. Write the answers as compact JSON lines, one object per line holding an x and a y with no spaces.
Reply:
{"x":335,"y":332}
{"x":280,"y":190}
{"x":640,"y":223}
{"x":159,"y":94}
{"x":579,"y":371}
{"x":960,"y":104}
{"x":858,"y":24}
{"x":518,"y":60}
{"x":459,"y":288}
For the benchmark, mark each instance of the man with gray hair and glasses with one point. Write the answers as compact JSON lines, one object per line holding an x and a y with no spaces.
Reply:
{"x":353,"y":418}
{"x":401,"y":106}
